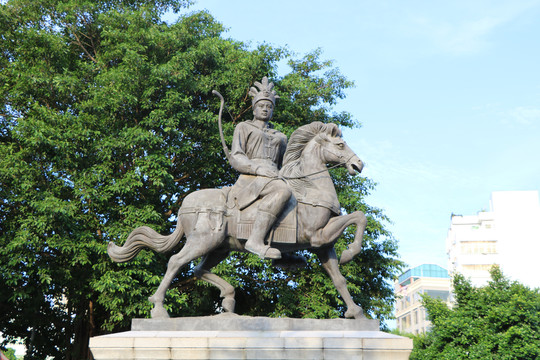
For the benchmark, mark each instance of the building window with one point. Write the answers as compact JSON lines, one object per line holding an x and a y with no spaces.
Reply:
{"x":478,"y":267}
{"x":438,"y":294}
{"x":478,"y":247}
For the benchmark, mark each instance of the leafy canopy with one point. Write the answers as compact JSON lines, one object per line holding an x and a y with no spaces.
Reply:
{"x":498,"y":321}
{"x":106,"y":123}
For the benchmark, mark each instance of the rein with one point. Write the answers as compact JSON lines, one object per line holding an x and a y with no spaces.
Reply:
{"x":226,"y":149}
{"x":316,"y":172}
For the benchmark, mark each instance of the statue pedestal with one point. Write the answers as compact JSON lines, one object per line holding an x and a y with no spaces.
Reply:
{"x":242,"y":337}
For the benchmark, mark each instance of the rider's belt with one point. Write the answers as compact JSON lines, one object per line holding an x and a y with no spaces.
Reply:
{"x":265,"y":162}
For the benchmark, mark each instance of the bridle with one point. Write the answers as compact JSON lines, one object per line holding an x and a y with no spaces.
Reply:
{"x":316,"y":172}
{"x":226,"y":150}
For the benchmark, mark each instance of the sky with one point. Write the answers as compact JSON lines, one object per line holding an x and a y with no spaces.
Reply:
{"x":448,"y":95}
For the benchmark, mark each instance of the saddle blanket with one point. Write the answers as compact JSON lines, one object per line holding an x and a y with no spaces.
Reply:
{"x":284,"y":230}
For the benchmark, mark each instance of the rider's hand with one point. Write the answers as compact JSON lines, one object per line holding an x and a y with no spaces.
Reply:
{"x":266,"y":171}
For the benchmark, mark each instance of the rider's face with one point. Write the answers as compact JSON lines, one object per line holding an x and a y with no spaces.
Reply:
{"x":263,"y":110}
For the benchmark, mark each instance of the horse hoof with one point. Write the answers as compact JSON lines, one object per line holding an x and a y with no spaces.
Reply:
{"x":346,"y":256}
{"x":355,"y":313}
{"x":159,"y":312}
{"x":228,"y":305}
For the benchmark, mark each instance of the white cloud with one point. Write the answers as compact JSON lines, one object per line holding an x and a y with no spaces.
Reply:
{"x":524,"y":115}
{"x":463,"y":28}
{"x":471,"y":36}
{"x":517,"y":116}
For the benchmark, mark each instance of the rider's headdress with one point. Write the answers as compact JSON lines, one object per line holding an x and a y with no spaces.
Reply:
{"x":265,"y":92}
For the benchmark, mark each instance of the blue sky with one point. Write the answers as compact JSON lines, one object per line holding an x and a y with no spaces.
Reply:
{"x":448,"y":94}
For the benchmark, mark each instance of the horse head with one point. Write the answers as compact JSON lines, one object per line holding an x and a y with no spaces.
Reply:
{"x":325,"y":139}
{"x":336,"y":151}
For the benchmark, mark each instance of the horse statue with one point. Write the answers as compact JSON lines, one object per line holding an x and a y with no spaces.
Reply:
{"x":214,"y":226}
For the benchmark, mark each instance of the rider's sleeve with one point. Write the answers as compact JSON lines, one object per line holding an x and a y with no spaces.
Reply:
{"x":282,"y":148}
{"x":238,"y":157}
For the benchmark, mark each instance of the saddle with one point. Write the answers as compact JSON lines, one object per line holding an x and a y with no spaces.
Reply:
{"x":284,"y":231}
{"x":216,"y":204}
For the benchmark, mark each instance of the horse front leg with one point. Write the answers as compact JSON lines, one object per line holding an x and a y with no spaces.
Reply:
{"x":327,"y":256}
{"x":335,"y":227}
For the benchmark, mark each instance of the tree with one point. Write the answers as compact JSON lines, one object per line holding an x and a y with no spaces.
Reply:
{"x":107,"y":122}
{"x":498,"y":321}
{"x":9,"y":353}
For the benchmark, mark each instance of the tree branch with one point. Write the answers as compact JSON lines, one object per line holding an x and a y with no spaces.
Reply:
{"x":79,"y":42}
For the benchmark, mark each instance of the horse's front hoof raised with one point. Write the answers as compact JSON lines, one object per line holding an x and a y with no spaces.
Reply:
{"x":346,"y":256}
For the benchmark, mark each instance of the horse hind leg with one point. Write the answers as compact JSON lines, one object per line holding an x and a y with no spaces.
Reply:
{"x":202,"y":271}
{"x":192,"y":250}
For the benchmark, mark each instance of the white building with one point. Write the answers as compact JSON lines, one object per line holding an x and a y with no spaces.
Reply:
{"x":507,"y":235}
{"x":429,"y":279}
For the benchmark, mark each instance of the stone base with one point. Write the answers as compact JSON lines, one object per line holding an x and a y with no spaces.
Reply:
{"x":240,"y":337}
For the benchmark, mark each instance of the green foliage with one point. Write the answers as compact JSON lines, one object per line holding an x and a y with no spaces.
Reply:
{"x":498,"y":321}
{"x":106,"y":123}
{"x":8,"y":353}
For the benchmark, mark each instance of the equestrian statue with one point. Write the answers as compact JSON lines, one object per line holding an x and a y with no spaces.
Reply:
{"x":283,"y":201}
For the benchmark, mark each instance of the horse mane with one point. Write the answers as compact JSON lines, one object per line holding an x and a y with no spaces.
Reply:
{"x":292,"y":160}
{"x":303,"y":135}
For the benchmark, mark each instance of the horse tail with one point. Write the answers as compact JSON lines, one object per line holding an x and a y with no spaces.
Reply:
{"x":144,"y":237}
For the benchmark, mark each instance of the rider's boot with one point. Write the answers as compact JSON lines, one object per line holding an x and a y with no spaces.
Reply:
{"x":255,"y":243}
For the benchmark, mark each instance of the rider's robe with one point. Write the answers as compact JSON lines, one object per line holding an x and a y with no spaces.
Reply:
{"x":253,"y":147}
